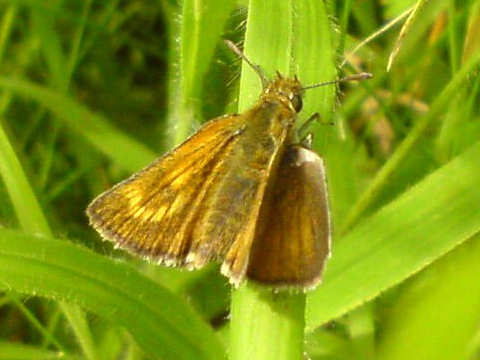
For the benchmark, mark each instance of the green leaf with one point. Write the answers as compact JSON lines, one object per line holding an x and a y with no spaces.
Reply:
{"x":23,"y":198}
{"x":122,"y":149}
{"x":423,"y":224}
{"x":258,"y":330}
{"x":16,"y":351}
{"x":202,"y":25}
{"x":280,"y":36}
{"x":41,"y":266}
{"x":442,"y":303}
{"x":268,"y":42}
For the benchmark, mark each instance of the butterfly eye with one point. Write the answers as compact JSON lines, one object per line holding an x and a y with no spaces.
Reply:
{"x":297,"y":102}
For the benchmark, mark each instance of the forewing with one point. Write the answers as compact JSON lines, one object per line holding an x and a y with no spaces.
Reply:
{"x":229,"y":229}
{"x":202,"y":200}
{"x":292,"y":242}
{"x":156,"y":212}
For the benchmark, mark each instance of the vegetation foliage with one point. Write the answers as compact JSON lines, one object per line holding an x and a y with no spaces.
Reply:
{"x":91,"y":91}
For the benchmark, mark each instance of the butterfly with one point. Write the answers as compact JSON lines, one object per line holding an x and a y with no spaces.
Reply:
{"x":241,"y":191}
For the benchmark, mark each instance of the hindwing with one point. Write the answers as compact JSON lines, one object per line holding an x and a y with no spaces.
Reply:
{"x":292,"y":241}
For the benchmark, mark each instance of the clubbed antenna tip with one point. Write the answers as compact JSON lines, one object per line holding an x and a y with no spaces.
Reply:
{"x":356,"y":77}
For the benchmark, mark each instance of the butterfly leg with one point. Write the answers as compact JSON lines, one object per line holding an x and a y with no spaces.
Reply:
{"x":301,"y":130}
{"x":306,"y":141}
{"x":306,"y":138}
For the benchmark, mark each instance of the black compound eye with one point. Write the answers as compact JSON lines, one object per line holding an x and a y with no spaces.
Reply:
{"x":297,"y":102}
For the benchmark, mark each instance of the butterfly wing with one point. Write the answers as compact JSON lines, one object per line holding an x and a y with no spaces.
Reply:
{"x":201,"y":201}
{"x":293,"y":242}
{"x":230,"y":227}
{"x":155,"y":212}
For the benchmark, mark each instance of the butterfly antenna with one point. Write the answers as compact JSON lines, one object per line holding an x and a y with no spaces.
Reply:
{"x":357,"y":77}
{"x":255,"y":67}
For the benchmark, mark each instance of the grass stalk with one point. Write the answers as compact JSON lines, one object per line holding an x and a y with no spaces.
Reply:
{"x":266,"y":325}
{"x":280,"y":36}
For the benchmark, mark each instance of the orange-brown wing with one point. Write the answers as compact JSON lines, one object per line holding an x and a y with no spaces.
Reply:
{"x":292,"y":242}
{"x":229,"y":228}
{"x":156,"y":211}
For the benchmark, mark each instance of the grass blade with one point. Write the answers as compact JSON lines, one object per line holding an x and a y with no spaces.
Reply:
{"x":122,"y":149}
{"x":265,"y":325}
{"x":202,"y":25}
{"x":51,"y":268}
{"x":15,"y":351}
{"x":423,"y":224}
{"x":441,"y":302}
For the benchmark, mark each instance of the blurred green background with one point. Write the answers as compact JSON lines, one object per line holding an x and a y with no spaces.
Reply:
{"x":91,"y":91}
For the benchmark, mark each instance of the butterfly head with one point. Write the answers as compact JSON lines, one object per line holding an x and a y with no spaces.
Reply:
{"x":288,"y":91}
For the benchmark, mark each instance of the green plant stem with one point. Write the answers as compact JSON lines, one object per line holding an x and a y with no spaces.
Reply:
{"x":78,"y":321}
{"x":267,"y":325}
{"x":347,"y":7}
{"x":201,"y":28}
{"x":264,"y":325}
{"x":6,"y":27}
{"x":278,"y":323}
{"x":29,"y":214}
{"x":32,"y":219}
{"x":34,"y":321}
